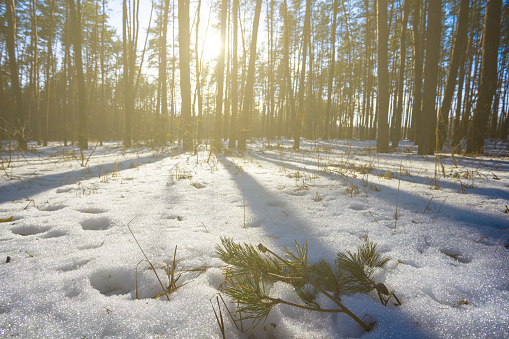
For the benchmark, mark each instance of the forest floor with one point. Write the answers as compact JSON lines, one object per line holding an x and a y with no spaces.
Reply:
{"x":70,"y":266}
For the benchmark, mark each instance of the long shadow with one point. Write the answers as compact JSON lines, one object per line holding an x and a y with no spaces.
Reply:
{"x":449,"y":184}
{"x":29,"y":187}
{"x":268,"y":209}
{"x":448,"y":210}
{"x":285,"y":228}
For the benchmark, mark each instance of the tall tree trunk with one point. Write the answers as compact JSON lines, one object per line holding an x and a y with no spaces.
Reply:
{"x":460,"y":44}
{"x":287,"y":76}
{"x":162,"y":77}
{"x":104,"y":104}
{"x":10,"y":14}
{"x":488,"y":79}
{"x":220,"y":76}
{"x":185,"y":73}
{"x":49,"y":62}
{"x":198,"y":77}
{"x":332,"y":65}
{"x":271,"y":64}
{"x":234,"y":83}
{"x":418,"y":62}
{"x":382,"y":33}
{"x":299,"y":118}
{"x":82,"y":95}
{"x":35,"y":73}
{"x":429,"y":92}
{"x":396,"y":119}
{"x":250,"y":81}
{"x":125,"y":61}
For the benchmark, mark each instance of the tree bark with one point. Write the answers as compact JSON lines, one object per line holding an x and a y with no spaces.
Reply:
{"x":75,"y":10}
{"x":418,"y":61}
{"x":220,"y":76}
{"x":488,"y":79}
{"x":383,"y":77}
{"x":396,"y":119}
{"x":460,"y":43}
{"x":250,"y":81}
{"x":328,"y":112}
{"x":234,"y":79}
{"x":429,"y":94}
{"x":10,"y":14}
{"x":299,"y":118}
{"x":185,"y":74}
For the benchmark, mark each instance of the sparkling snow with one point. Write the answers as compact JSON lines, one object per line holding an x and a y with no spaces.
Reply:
{"x":69,"y":266}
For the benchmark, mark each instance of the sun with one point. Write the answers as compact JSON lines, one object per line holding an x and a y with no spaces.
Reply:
{"x":210,"y":46}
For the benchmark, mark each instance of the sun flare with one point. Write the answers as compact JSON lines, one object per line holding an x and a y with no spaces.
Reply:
{"x":210,"y":46}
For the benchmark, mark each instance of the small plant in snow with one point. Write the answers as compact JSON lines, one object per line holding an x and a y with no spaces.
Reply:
{"x":251,"y":270}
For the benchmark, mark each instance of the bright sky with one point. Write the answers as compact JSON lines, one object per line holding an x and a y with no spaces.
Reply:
{"x":210,"y":44}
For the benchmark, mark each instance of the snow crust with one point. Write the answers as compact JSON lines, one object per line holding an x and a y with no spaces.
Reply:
{"x":69,"y":266}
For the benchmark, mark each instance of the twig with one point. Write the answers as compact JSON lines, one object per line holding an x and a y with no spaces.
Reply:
{"x":342,"y":307}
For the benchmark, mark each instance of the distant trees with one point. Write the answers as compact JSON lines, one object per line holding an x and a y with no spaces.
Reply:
{"x":333,"y":69}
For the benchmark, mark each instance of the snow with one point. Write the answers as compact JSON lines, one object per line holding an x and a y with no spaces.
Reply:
{"x":75,"y":270}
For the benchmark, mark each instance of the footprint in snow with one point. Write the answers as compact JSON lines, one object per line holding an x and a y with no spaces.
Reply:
{"x":73,"y":266}
{"x":29,"y":230}
{"x":358,"y":207}
{"x":54,"y":234}
{"x":52,"y":207}
{"x":96,"y":224}
{"x":114,"y":281}
{"x":93,"y":210}
{"x":64,"y":189}
{"x":275,"y":203}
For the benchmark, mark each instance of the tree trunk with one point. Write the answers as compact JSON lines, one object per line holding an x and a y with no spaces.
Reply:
{"x":429,"y":94}
{"x":220,"y":76}
{"x":488,"y":78}
{"x":234,"y":83}
{"x":82,"y":95}
{"x":45,"y":129}
{"x":10,"y":14}
{"x":299,"y":118}
{"x":162,"y":76}
{"x":396,"y":119}
{"x":418,"y":61}
{"x":125,"y":61}
{"x":185,"y":74}
{"x":460,"y":43}
{"x":328,"y":113}
{"x":250,"y":81}
{"x":383,"y":77}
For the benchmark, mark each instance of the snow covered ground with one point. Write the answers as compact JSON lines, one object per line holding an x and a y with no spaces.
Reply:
{"x":69,"y":266}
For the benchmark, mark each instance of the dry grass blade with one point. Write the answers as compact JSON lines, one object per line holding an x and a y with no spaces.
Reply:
{"x":152,"y":266}
{"x":219,"y":318}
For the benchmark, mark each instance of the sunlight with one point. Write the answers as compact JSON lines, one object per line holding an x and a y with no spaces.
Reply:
{"x":210,"y":46}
